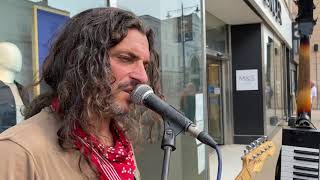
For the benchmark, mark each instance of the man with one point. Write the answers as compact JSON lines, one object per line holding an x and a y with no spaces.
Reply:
{"x":81,"y":129}
{"x":313,"y":92}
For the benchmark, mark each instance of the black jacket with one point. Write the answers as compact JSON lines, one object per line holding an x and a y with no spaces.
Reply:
{"x":8,"y":105}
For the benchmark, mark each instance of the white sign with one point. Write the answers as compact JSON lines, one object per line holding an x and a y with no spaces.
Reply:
{"x":199,"y":111}
{"x":201,"y":151}
{"x":247,"y":80}
{"x":217,"y":90}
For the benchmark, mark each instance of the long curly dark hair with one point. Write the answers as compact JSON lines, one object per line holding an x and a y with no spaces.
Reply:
{"x":77,"y":68}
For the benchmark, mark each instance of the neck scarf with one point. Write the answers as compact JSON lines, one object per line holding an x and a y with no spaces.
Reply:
{"x":111,"y":163}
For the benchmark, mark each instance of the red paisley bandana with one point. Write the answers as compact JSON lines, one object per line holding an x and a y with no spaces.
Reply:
{"x":112,"y":163}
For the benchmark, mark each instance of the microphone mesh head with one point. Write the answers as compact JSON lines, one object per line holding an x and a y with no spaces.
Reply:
{"x":139,"y":93}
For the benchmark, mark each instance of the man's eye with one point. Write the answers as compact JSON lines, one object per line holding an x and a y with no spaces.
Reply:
{"x":125,"y":58}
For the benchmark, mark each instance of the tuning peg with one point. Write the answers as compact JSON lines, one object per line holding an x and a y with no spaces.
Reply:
{"x":246,"y":151}
{"x":253,"y":144}
{"x":258,"y":143}
{"x":249,"y":147}
{"x":261,"y":140}
{"x":265,"y":138}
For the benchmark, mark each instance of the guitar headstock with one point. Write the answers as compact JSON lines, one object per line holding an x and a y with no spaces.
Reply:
{"x":256,"y":153}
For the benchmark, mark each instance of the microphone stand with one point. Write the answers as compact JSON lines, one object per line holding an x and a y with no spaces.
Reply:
{"x":171,"y":130}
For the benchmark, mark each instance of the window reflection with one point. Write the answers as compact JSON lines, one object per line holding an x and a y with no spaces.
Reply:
{"x":215,"y":33}
{"x":178,"y":28}
{"x":274,"y":84}
{"x":17,"y":25}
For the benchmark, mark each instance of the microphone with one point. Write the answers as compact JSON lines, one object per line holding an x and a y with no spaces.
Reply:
{"x":144,"y":95}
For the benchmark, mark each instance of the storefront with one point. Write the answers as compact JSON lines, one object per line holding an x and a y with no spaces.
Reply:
{"x":255,"y":90}
{"x":268,"y":48}
{"x":30,"y":26}
{"x":260,"y":45}
{"x":17,"y":35}
{"x":208,"y":55}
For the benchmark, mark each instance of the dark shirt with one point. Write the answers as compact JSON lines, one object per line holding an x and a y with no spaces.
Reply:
{"x":8,"y":106}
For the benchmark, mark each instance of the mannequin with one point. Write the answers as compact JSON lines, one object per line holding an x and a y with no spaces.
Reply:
{"x":11,"y":94}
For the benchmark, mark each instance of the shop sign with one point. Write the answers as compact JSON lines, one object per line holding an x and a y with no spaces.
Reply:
{"x":275,"y":8}
{"x":247,"y":80}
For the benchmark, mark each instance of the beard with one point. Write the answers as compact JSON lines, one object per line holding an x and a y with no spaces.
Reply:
{"x":117,"y":110}
{"x":121,"y":116}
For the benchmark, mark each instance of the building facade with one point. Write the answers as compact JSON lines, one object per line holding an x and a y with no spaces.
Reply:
{"x":227,"y":72}
{"x":259,"y":43}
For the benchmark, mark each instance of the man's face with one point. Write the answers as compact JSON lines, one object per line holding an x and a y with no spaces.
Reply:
{"x":128,"y":60}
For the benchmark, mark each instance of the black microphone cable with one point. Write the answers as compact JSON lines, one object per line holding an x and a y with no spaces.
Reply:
{"x":208,"y":140}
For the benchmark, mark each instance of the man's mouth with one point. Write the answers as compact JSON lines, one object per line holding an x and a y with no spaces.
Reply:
{"x":128,"y":87}
{"x":128,"y":90}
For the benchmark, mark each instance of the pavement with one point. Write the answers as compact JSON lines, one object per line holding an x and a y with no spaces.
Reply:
{"x":231,"y":156}
{"x":315,"y":118}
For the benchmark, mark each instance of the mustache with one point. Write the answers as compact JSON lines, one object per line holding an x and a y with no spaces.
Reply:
{"x":128,"y":85}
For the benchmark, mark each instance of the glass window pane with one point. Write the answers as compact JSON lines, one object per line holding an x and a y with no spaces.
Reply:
{"x":178,"y":27}
{"x":16,"y":28}
{"x":279,"y":95}
{"x":274,"y":85}
{"x":215,"y":33}
{"x":270,"y":86}
{"x":76,"y":6}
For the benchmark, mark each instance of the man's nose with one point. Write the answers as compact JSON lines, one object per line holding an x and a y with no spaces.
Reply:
{"x":139,"y":73}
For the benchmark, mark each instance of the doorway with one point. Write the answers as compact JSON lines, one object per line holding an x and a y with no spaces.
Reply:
{"x":214,"y":99}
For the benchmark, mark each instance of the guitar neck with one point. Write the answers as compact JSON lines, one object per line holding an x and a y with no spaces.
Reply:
{"x":303,"y":94}
{"x":244,"y":174}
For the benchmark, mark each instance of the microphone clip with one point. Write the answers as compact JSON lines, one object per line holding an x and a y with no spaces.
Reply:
{"x":171,"y":130}
{"x":168,"y":144}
